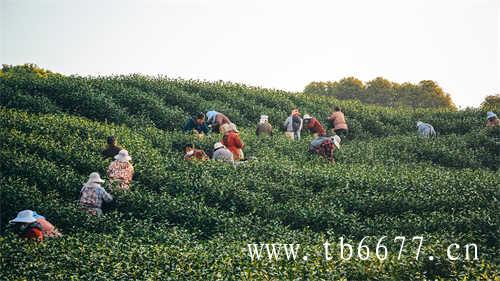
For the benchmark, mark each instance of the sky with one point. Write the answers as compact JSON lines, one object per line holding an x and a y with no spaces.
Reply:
{"x":268,"y":43}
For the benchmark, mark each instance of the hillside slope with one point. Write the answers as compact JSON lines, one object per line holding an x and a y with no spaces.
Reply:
{"x":193,"y":220}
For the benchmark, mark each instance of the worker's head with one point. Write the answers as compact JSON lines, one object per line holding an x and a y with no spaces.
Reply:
{"x":491,"y":116}
{"x":295,"y":111}
{"x":111,"y":140}
{"x":188,"y":147}
{"x":337,"y":108}
{"x":307,"y":117}
{"x":264,"y":119}
{"x":200,"y":118}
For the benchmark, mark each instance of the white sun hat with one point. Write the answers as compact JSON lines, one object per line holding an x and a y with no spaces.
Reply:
{"x":263,"y":118}
{"x":123,"y":156}
{"x":95,"y":178}
{"x":218,"y":145}
{"x":336,"y":141}
{"x":419,"y":123}
{"x":490,"y":114}
{"x":307,"y":116}
{"x":25,"y":216}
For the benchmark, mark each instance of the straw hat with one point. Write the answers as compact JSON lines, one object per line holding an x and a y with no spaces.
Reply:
{"x":94,"y":178}
{"x":123,"y":156}
{"x":490,"y":114}
{"x":25,"y":216}
{"x":419,"y":123}
{"x":307,"y":116}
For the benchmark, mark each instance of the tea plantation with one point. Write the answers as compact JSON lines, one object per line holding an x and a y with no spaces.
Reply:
{"x":191,"y":221}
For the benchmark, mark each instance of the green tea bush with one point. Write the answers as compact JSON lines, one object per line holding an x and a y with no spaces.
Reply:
{"x":188,"y":221}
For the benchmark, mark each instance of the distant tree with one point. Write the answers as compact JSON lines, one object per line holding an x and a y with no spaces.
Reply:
{"x":381,"y":91}
{"x":491,"y":103}
{"x":348,"y":88}
{"x":27,"y":68}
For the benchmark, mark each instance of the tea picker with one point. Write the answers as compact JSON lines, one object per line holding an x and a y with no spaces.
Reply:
{"x":92,"y":195}
{"x":293,"y":125}
{"x":29,"y":224}
{"x":337,"y":120}
{"x":425,"y":130}
{"x":492,"y":120}
{"x":197,"y":125}
{"x":216,"y":119}
{"x":264,"y":128}
{"x":121,"y":170}
{"x":325,"y":146}
{"x":314,"y":126}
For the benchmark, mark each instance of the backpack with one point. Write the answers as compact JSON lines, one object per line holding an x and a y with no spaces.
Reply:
{"x":296,"y":121}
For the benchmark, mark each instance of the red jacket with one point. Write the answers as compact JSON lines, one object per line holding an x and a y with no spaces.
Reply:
{"x":315,"y":127}
{"x":34,"y":233}
{"x":233,"y":142}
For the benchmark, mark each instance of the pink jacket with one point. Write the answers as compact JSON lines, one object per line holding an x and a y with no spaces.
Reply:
{"x":338,"y":120}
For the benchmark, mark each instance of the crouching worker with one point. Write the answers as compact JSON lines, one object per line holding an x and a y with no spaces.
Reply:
{"x":425,"y":130}
{"x":121,"y":170}
{"x":221,"y":153}
{"x":48,"y":229}
{"x":194,"y":154}
{"x":232,"y":141}
{"x":26,"y":226}
{"x":216,"y":120}
{"x":325,"y":146}
{"x":197,"y":125}
{"x":314,"y":126}
{"x":492,"y":120}
{"x":112,"y":149}
{"x":92,"y":195}
{"x":264,"y":128}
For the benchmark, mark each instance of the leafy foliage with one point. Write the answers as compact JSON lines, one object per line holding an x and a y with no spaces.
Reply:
{"x":191,"y":221}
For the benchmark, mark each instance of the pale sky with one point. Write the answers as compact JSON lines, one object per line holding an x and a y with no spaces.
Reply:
{"x":275,"y":44}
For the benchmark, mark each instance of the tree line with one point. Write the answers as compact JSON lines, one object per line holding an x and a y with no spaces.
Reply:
{"x":380,"y":91}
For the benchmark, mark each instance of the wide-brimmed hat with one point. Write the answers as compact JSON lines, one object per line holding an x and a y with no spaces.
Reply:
{"x":218,"y":145}
{"x":419,"y":123}
{"x":95,"y":178}
{"x":490,"y":114}
{"x":123,"y":156}
{"x":25,"y":216}
{"x":336,"y":141}
{"x":307,"y":116}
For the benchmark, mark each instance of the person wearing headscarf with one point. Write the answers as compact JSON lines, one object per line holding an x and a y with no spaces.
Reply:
{"x":264,"y":128}
{"x":216,"y":119}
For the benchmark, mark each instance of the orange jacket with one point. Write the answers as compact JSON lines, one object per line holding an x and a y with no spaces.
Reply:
{"x":233,"y":142}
